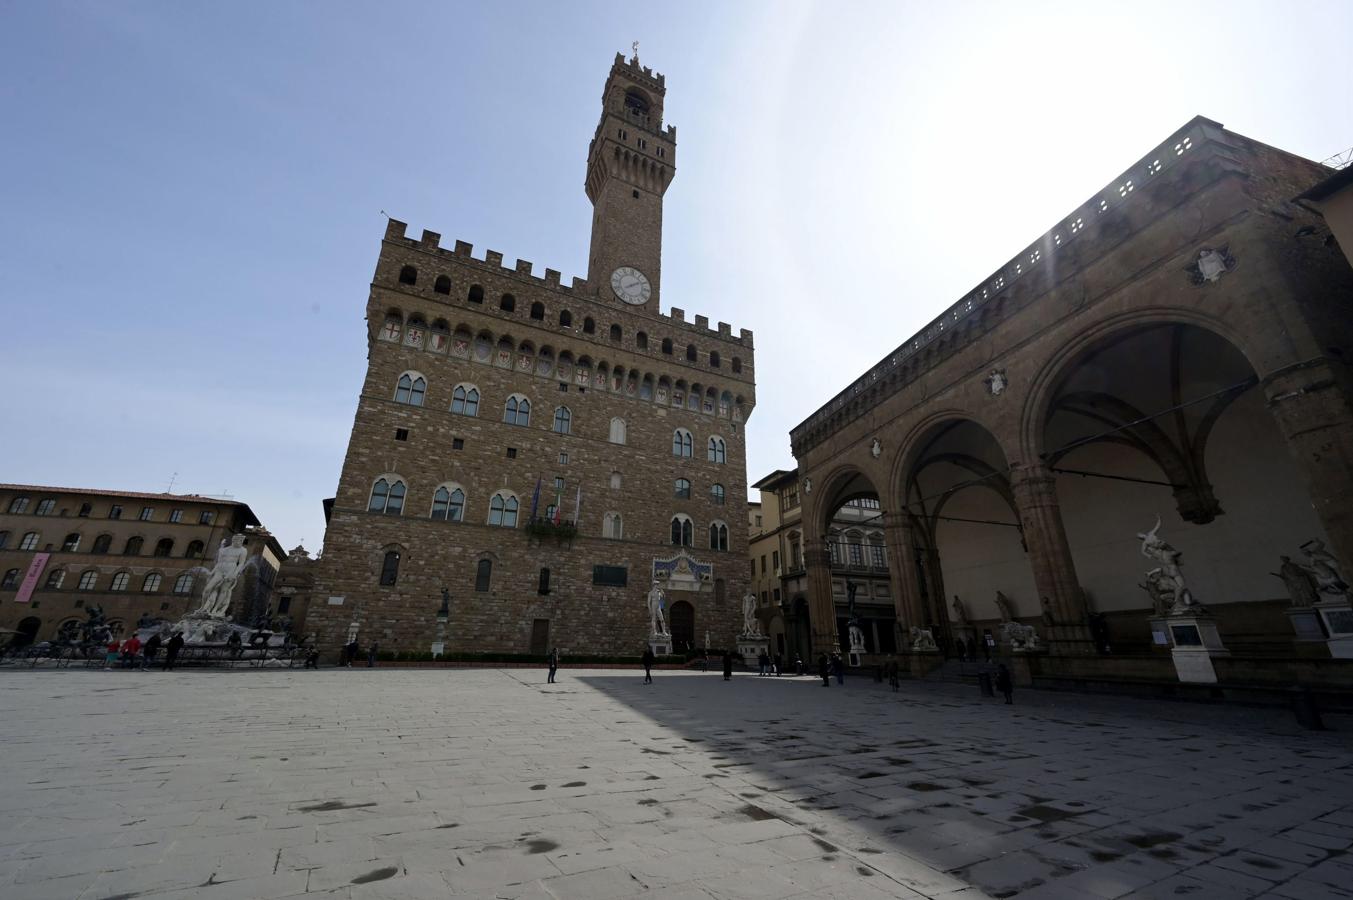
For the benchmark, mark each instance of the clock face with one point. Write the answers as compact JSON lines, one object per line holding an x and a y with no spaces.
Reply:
{"x":631,"y":285}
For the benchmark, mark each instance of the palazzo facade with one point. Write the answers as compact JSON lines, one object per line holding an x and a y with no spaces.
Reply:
{"x":1176,"y":350}
{"x":529,"y":456}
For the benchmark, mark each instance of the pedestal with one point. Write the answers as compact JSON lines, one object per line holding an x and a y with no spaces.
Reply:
{"x":1195,"y":642}
{"x":750,"y":648}
{"x":856,"y":638}
{"x":1306,"y":623}
{"x":660,"y":644}
{"x":1338,"y":618}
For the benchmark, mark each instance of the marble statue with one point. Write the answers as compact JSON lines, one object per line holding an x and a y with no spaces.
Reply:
{"x":656,"y":598}
{"x":1170,"y":577}
{"x":960,"y":614}
{"x":922,"y":640}
{"x":1161,"y":595}
{"x":1325,"y":568}
{"x":1003,"y":606}
{"x":750,"y":627}
{"x":220,"y":588}
{"x":1020,"y":637}
{"x":1299,"y":581}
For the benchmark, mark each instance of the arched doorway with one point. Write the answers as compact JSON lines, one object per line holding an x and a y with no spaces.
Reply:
{"x":27,"y":631}
{"x":860,"y":579}
{"x":682,"y":623}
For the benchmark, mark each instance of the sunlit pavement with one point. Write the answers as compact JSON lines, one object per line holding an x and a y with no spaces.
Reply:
{"x":490,"y":783}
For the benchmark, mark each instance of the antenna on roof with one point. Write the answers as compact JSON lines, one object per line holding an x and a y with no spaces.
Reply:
{"x":172,"y":479}
{"x":635,"y":45}
{"x":386,"y":214}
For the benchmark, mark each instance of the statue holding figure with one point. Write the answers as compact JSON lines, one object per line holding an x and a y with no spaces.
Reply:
{"x":656,"y":601}
{"x":1167,"y":574}
{"x":1325,"y":568}
{"x":220,"y":588}
{"x":1299,"y":581}
{"x":750,"y":626}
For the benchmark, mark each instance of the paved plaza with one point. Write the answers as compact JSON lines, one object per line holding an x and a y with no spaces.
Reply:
{"x":489,"y":783}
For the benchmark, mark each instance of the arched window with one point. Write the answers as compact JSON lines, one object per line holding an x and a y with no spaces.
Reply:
{"x":387,"y":497}
{"x":151,"y":584}
{"x":737,"y":366}
{"x":563,"y":420}
{"x":408,"y":275}
{"x":442,"y":285}
{"x":30,"y":541}
{"x":713,"y":359}
{"x":72,"y":543}
{"x":718,"y":536}
{"x":612,"y":526}
{"x":517,"y":411}
{"x":88,"y":580}
{"x":683,"y":531}
{"x":390,"y":568}
{"x":11,"y":579}
{"x":507,"y":303}
{"x":54,"y":579}
{"x":716,"y":493}
{"x":194,"y":550}
{"x":411,"y":388}
{"x":503,"y":510}
{"x":476,"y":294}
{"x":448,"y":504}
{"x":119,"y":582}
{"x":565,"y":319}
{"x":641,"y":340}
{"x":538,"y":311}
{"x":465,"y":400}
{"x":18,"y":505}
{"x":616,"y":334}
{"x":133,"y":548}
{"x":682,"y":443}
{"x":4,"y":539}
{"x":617,"y":431}
{"x":716,"y":451}
{"x":483,"y":575}
{"x":164,"y":546}
{"x":681,"y":489}
{"x":104,"y":542}
{"x":667,"y":346}
{"x":183,"y":584}
{"x":589,"y":327}
{"x":691,"y":355}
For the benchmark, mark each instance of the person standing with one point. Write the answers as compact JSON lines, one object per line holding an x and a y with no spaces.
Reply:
{"x":779,"y":664}
{"x":371,"y":655}
{"x":554,"y":664}
{"x":131,"y":649}
{"x":727,"y":666}
{"x":648,"y":665}
{"x":1004,"y":683}
{"x":171,"y":650}
{"x":353,"y":650}
{"x":149,"y":652}
{"x":110,"y":653}
{"x":840,"y":665}
{"x":823,"y":669}
{"x":312,"y":658}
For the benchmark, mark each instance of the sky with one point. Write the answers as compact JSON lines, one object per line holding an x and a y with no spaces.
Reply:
{"x":191,"y":193}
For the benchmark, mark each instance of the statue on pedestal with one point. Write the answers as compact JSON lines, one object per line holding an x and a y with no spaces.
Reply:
{"x":1020,"y":637}
{"x":1299,"y":581}
{"x":656,"y":602}
{"x":750,"y":627}
{"x":1003,"y":606}
{"x":960,"y":614}
{"x":1325,"y":568}
{"x":922,"y":640}
{"x":231,"y":560}
{"x":1168,"y":575}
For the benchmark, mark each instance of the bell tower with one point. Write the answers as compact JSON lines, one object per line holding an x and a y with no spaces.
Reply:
{"x":630,"y":162}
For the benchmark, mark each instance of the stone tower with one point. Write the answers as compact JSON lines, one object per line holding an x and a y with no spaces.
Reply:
{"x":630,"y":162}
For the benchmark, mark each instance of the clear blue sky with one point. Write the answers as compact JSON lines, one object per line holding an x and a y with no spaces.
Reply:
{"x":190,"y":194}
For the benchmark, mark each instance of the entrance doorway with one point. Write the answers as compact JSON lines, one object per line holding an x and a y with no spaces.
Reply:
{"x":682,"y":617}
{"x":540,"y":637}
{"x":27,"y":631}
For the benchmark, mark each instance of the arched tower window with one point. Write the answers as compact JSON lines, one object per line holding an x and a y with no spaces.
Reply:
{"x":194,"y":550}
{"x":164,"y":547}
{"x":716,"y":493}
{"x":387,"y":496}
{"x":617,"y":431}
{"x":408,"y":275}
{"x":538,"y":311}
{"x":133,"y":547}
{"x":717,"y":450}
{"x":737,"y":366}
{"x":410,"y":389}
{"x":465,"y":400}
{"x":612,"y":526}
{"x":476,"y":294}
{"x":503,"y":510}
{"x":517,"y":410}
{"x":390,"y":568}
{"x":713,"y":359}
{"x":442,"y":285}
{"x":683,"y":530}
{"x":589,"y":326}
{"x":565,"y":319}
{"x":641,"y":340}
{"x":718,"y":536}
{"x":616,"y":334}
{"x":667,"y":346}
{"x":681,"y":443}
{"x":507,"y":303}
{"x":681,"y":489}
{"x":448,"y":503}
{"x":563,"y":420}
{"x":483,"y":576}
{"x":691,"y":355}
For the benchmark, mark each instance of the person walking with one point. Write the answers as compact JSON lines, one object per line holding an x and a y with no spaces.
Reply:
{"x":371,"y":655}
{"x":840,"y":665}
{"x":761,"y":664}
{"x":353,"y":650}
{"x":110,"y":653}
{"x":554,"y":664}
{"x":824,"y":669}
{"x":779,"y":665}
{"x":171,"y":650}
{"x":648,"y":665}
{"x":131,"y":649}
{"x":149,"y":651}
{"x":1004,"y":683}
{"x":727,"y":666}
{"x":312,"y":658}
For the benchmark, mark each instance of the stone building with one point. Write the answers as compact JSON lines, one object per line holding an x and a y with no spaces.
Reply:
{"x":132,"y":554}
{"x":542,"y":451}
{"x":1176,"y":347}
{"x":858,"y":558}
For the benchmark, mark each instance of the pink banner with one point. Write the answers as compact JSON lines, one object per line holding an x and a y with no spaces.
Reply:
{"x":30,"y":580}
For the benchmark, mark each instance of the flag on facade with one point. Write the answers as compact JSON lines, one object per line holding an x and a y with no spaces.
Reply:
{"x":535,"y":500}
{"x":558,"y":504}
{"x":578,"y":505}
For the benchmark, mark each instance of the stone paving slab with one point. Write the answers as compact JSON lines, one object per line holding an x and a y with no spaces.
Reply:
{"x":392,"y":783}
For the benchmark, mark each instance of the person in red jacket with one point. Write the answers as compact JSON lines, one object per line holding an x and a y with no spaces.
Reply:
{"x":131,"y":649}
{"x":110,"y":653}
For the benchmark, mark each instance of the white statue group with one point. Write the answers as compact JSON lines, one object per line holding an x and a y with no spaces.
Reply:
{"x":231,"y":560}
{"x":657,"y":600}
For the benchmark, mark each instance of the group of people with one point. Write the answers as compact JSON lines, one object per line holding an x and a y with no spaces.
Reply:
{"x":352,"y":651}
{"x":133,"y":653}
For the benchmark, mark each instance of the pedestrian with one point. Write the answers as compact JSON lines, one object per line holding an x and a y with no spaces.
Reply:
{"x":353,"y":650}
{"x":648,"y":665}
{"x":312,"y":659}
{"x":1004,"y":684}
{"x":727,"y":666}
{"x":893,"y":680}
{"x":761,"y":663}
{"x":149,"y":651}
{"x":554,"y":664}
{"x":171,"y":650}
{"x":371,"y":655}
{"x":779,"y":664}
{"x":840,"y":665}
{"x":235,"y":645}
{"x":131,"y":649}
{"x":987,"y":641}
{"x":110,"y":653}
{"x":824,"y":669}
{"x":962,"y":650}
{"x":799,"y":668}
